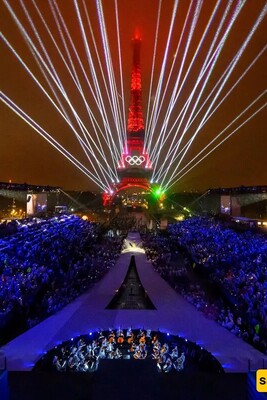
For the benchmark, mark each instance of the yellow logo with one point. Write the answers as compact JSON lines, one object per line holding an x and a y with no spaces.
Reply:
{"x":261,"y":380}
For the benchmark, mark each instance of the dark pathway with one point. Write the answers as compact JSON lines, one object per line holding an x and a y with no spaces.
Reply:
{"x":131,"y":295}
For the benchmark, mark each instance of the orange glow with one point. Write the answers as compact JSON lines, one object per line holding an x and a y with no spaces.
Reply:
{"x":137,"y":34}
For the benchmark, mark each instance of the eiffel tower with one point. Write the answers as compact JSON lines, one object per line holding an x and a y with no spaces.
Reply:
{"x":134,"y":168}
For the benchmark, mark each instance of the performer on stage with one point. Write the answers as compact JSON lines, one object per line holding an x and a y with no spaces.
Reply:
{"x":167,"y":365}
{"x":179,"y":363}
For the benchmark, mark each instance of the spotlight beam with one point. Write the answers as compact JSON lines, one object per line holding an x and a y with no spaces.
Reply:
{"x":163,"y":67}
{"x":14,"y":107}
{"x":219,"y":144}
{"x":43,"y":90}
{"x":147,"y":133}
{"x":98,"y":146}
{"x":151,"y":133}
{"x":209,"y":63}
{"x":109,"y":135}
{"x":236,"y":59}
{"x":121,"y":74}
{"x":230,"y":90}
{"x":111,"y":77}
{"x":187,"y":94}
{"x":85,"y":148}
{"x":90,"y":60}
{"x":157,"y":175}
{"x":225,"y":129}
{"x":115,"y":154}
{"x":35,"y":53}
{"x":170,"y":106}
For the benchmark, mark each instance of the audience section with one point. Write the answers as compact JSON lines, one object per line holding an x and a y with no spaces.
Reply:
{"x":46,"y":265}
{"x":221,"y":271}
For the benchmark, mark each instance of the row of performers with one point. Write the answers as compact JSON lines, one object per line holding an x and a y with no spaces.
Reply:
{"x":129,"y":337}
{"x":85,"y":357}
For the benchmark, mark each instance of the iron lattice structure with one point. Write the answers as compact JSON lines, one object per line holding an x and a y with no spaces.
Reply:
{"x":134,"y":168}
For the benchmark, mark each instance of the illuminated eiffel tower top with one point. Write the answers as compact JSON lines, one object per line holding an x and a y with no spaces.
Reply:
{"x":134,"y":155}
{"x":134,"y":167}
{"x":135,"y":123}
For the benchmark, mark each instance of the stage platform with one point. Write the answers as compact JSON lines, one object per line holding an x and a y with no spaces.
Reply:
{"x":126,"y":381}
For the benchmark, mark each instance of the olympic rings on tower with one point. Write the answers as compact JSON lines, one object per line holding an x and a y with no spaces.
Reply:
{"x":135,"y":160}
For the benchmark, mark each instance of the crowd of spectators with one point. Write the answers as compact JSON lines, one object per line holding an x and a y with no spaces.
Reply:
{"x":235,"y":262}
{"x":8,"y":228}
{"x":173,"y":265}
{"x":48,"y":263}
{"x":45,"y":264}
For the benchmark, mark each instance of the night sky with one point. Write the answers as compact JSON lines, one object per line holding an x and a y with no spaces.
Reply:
{"x":26,"y":157}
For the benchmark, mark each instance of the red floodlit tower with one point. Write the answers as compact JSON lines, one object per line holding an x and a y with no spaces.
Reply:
{"x":135,"y":167}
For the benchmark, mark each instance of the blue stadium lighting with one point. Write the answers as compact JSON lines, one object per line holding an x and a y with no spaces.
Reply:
{"x":226,"y":366}
{"x":28,"y":365}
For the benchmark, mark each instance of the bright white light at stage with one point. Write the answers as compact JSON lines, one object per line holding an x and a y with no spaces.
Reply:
{"x":130,"y":246}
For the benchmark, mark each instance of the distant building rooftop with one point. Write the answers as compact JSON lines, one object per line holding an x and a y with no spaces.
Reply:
{"x":240,"y":190}
{"x":25,"y":187}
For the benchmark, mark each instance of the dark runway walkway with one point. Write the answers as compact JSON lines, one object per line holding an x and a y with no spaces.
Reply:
{"x":131,"y":295}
